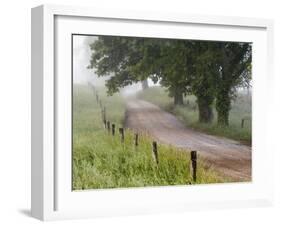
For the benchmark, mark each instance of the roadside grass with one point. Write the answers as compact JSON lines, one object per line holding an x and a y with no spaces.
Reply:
{"x":101,"y":160}
{"x":188,"y":114}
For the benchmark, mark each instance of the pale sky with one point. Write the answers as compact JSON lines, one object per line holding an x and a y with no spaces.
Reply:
{"x":81,"y":60}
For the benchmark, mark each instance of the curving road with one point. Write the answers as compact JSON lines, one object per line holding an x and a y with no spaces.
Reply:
{"x":228,"y":157}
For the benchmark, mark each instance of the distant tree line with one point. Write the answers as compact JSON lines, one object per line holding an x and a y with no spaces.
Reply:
{"x":211,"y":71}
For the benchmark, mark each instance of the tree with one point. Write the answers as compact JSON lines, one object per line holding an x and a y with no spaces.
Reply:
{"x":131,"y":60}
{"x":144,"y":84}
{"x":114,"y":57}
{"x":170,"y":66}
{"x":203,"y":79}
{"x":234,"y":70}
{"x":209,"y":70}
{"x":175,"y":63}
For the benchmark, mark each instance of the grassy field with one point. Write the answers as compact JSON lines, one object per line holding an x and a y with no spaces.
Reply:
{"x":241,"y":108}
{"x":100,"y":160}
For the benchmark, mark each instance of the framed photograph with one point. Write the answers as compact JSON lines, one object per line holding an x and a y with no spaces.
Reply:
{"x":136,"y":112}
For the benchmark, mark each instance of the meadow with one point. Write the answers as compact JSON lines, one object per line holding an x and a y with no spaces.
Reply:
{"x":188,"y":114}
{"x":101,"y":160}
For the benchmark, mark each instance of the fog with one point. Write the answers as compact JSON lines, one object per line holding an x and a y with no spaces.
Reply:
{"x":83,"y":75}
{"x":81,"y":60}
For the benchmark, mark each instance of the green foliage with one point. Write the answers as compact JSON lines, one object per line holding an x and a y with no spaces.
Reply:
{"x":116,"y":56}
{"x":100,"y":160}
{"x":209,"y":70}
{"x":234,"y":60}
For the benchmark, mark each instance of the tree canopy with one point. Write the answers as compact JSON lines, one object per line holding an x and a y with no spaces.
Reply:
{"x":209,"y":70}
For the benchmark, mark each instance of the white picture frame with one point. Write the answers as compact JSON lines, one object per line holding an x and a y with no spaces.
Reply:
{"x":52,"y":197}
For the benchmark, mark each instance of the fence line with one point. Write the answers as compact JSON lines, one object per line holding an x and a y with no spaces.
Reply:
{"x":111,"y":130}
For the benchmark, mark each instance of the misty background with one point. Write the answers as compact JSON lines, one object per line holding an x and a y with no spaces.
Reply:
{"x":81,"y":60}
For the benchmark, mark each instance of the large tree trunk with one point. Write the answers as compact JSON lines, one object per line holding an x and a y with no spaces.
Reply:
{"x":178,"y":97}
{"x":144,"y":84}
{"x":223,"y":106}
{"x":223,"y":101}
{"x":205,"y":110}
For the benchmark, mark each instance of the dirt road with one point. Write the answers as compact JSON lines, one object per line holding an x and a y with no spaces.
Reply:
{"x":228,"y":157}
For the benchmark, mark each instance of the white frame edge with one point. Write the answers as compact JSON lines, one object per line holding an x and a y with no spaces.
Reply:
{"x":42,"y":112}
{"x":43,"y":86}
{"x":37,"y":113}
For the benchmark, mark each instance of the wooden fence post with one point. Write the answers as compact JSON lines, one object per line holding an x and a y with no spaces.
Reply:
{"x":113,"y":129}
{"x":104,"y":114}
{"x":155,"y":151}
{"x":108,"y":126}
{"x":103,"y":117}
{"x":121,"y":131}
{"x":136,"y":139}
{"x":193,"y":162}
{"x":242,"y":123}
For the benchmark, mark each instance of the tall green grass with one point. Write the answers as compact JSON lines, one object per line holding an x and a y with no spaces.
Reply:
{"x":101,"y":160}
{"x":188,"y":114}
